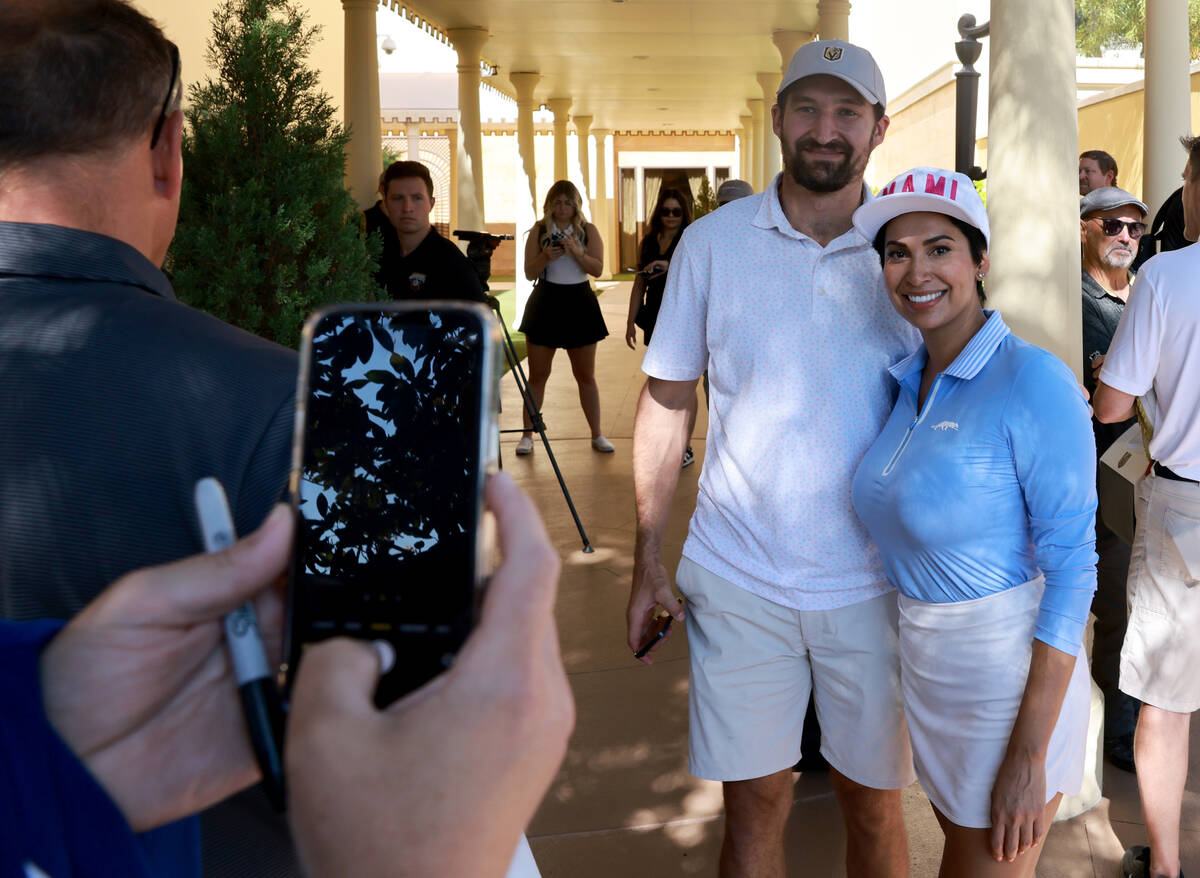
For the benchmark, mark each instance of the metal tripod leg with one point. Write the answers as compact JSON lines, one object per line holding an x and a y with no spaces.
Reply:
{"x":539,"y":426}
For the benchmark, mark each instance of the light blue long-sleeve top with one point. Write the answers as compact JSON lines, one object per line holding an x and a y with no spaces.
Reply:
{"x":991,"y":481}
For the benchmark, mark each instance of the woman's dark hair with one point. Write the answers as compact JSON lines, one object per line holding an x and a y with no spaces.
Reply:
{"x":663,"y":196}
{"x":976,"y":244}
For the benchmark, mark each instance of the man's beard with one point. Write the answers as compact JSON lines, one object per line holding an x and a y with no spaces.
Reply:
{"x":1119,"y":257}
{"x":821,"y":176}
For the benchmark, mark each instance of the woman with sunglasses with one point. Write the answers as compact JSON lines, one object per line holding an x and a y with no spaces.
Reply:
{"x":671,"y":216}
{"x":980,"y":495}
{"x":561,"y":250}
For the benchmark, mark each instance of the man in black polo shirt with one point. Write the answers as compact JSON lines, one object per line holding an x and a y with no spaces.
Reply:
{"x":417,"y":262}
{"x":1110,"y":223}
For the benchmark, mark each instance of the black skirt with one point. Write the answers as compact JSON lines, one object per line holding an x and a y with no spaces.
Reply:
{"x":563,"y":316}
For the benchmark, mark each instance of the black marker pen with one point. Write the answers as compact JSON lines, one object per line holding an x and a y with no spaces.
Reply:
{"x":256,"y":683}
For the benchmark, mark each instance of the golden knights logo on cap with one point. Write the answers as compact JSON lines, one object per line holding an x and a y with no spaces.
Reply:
{"x":833,"y":53}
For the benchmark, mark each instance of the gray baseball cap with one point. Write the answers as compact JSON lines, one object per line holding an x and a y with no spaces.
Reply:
{"x":1106,"y":198}
{"x":731,"y":190}
{"x":849,"y":63}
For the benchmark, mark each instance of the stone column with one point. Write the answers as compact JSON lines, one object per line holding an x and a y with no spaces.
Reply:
{"x":788,"y":42}
{"x":412,"y":131}
{"x":468,"y":42}
{"x":1168,"y":100}
{"x":756,"y":140}
{"x":364,"y":155}
{"x":601,"y":206}
{"x":1033,"y":146}
{"x":745,"y":163}
{"x":833,"y":19}
{"x":582,"y":127}
{"x":559,"y":107}
{"x":772,"y":160}
{"x":524,"y":83}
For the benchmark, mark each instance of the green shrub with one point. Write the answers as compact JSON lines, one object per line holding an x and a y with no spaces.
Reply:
{"x":267,"y":231}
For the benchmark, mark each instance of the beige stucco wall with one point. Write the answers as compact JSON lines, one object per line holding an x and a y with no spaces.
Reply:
{"x":188,"y":23}
{"x":1115,"y":126}
{"x":922,"y":132}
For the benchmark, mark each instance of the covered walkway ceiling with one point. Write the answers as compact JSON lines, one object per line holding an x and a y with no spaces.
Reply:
{"x":633,"y":64}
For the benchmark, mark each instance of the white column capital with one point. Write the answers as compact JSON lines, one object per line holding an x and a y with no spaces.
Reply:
{"x":347,"y":5}
{"x":559,"y":107}
{"x":524,"y":81}
{"x":788,"y":42}
{"x":601,"y":133}
{"x":833,"y":19}
{"x":468,"y":43}
{"x":769,"y":83}
{"x":582,"y":124}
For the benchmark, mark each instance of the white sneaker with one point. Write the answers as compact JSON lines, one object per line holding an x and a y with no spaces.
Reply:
{"x":688,"y":458}
{"x":603,"y":445}
{"x":525,"y":446}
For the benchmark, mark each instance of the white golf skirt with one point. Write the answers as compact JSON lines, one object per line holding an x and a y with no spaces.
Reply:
{"x":963,"y":668}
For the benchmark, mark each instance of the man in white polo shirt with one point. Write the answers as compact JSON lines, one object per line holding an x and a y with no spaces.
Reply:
{"x":1155,"y":354}
{"x":783,"y":302}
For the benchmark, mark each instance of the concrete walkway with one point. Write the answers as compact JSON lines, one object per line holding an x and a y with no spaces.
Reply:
{"x":623,"y":803}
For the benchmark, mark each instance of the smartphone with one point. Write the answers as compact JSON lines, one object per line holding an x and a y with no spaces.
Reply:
{"x":658,"y":630}
{"x":395,"y":435}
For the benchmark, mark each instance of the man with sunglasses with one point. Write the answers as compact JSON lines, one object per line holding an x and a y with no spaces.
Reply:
{"x":1110,"y":223}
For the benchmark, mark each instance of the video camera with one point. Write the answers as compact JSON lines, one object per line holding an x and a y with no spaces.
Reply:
{"x":480,"y":246}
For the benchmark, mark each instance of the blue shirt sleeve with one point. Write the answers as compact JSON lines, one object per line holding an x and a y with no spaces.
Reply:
{"x":53,"y":814}
{"x":1054,"y":454}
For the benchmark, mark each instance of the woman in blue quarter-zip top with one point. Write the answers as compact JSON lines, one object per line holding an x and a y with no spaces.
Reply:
{"x":980,"y":494}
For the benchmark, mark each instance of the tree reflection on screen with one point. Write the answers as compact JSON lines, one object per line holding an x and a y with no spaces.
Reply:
{"x":387,"y":494}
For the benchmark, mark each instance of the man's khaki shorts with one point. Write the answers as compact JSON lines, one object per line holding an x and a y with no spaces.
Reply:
{"x":753,"y":666}
{"x":1162,"y":644}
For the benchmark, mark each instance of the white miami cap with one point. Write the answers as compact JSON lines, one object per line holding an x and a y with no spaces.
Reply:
{"x":849,"y":63}
{"x":924,"y":189}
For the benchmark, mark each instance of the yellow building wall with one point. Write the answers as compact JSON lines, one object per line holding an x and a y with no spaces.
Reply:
{"x":188,"y":24}
{"x":1115,"y":126}
{"x":921,"y":133}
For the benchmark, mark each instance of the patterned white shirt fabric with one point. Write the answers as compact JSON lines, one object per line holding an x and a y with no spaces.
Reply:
{"x":797,"y":339}
{"x":1157,"y":347}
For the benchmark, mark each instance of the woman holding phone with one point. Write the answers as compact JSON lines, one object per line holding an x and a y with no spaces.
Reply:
{"x":671,"y":216}
{"x":980,"y":494}
{"x":561,"y":250}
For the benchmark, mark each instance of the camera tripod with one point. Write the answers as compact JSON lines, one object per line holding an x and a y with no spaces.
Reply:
{"x":480,"y":246}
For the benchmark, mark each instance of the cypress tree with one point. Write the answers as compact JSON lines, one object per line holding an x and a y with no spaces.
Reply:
{"x":267,"y":231}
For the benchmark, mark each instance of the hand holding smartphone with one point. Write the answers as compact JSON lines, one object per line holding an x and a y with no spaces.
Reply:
{"x":395,"y":435}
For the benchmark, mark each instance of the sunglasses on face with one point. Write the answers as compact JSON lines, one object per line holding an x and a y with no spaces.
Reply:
{"x":1112,"y":227}
{"x":671,"y":211}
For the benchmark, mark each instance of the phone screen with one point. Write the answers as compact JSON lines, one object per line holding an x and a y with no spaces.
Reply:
{"x":389,"y":484}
